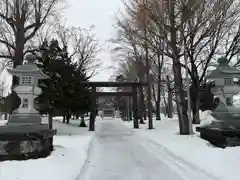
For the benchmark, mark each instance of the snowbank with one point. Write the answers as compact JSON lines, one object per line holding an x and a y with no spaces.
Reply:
{"x":65,"y":163}
{"x":222,"y":163}
{"x":206,"y":117}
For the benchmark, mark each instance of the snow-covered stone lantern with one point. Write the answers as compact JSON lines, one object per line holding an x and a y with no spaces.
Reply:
{"x":225,"y":128}
{"x":27,"y":89}
{"x":24,"y":136}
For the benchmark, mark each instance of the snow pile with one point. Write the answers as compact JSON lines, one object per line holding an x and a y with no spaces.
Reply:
{"x":3,"y":122}
{"x":65,"y":162}
{"x":5,"y":82}
{"x":236,"y":100}
{"x":206,"y":117}
{"x":222,"y":163}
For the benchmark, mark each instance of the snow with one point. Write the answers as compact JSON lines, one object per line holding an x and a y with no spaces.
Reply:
{"x":118,"y":153}
{"x":206,"y":117}
{"x":71,"y":129}
{"x":65,"y":163}
{"x":5,"y":82}
{"x":221,"y":163}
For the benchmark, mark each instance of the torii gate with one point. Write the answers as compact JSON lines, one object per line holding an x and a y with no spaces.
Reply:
{"x":94,"y":95}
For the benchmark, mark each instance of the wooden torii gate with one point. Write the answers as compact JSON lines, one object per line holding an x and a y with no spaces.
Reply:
{"x":94,"y":95}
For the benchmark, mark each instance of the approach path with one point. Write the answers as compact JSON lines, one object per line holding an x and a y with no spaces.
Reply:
{"x":118,"y":153}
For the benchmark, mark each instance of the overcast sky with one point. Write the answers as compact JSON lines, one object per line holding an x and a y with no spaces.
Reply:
{"x":101,"y":14}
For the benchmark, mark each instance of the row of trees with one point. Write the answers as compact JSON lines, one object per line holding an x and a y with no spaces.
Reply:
{"x":160,"y":39}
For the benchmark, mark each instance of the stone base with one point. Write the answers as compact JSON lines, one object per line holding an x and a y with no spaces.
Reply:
{"x":26,"y":145}
{"x":220,"y":137}
{"x":15,"y":119}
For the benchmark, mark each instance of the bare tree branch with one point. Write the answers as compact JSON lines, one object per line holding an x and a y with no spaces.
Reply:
{"x":22,"y":20}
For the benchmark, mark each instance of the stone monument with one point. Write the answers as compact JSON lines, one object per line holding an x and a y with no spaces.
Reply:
{"x":225,"y":129}
{"x":24,"y":136}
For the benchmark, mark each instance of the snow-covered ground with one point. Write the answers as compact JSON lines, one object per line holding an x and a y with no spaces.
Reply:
{"x":221,"y":163}
{"x":115,"y":150}
{"x":65,"y":163}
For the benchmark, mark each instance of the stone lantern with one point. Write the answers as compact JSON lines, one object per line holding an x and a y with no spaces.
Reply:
{"x":225,"y":129}
{"x":28,"y":76}
{"x":24,"y":136}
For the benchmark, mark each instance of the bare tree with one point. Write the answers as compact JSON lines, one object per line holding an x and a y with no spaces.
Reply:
{"x":20,"y":21}
{"x":142,"y":24}
{"x":129,"y":52}
{"x":86,"y":48}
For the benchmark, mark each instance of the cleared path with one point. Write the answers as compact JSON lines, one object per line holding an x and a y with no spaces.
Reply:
{"x":117,"y":153}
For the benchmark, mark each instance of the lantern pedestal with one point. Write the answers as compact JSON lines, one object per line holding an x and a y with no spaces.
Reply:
{"x":24,"y":119}
{"x":220,"y":137}
{"x":25,"y":142}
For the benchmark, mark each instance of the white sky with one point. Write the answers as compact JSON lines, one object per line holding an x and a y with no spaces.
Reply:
{"x":101,"y":14}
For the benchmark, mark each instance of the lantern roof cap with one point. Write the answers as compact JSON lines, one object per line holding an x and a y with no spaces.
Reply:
{"x":224,"y":70}
{"x":28,"y":68}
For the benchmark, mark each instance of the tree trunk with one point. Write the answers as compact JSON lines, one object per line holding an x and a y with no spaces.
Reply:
{"x":170,"y":104}
{"x":195,"y":111}
{"x":68,"y":116}
{"x":64,"y":117}
{"x":165,"y":110}
{"x":148,"y":76}
{"x":165,"y":105}
{"x":160,"y":63}
{"x":50,"y":120}
{"x":5,"y":116}
{"x":149,"y":102}
{"x":144,"y":110}
{"x":158,"y":116}
{"x":131,"y":113}
{"x":82,"y":123}
{"x":145,"y":116}
{"x":19,"y":48}
{"x":180,"y":99}
{"x":195,"y":101}
{"x":141,"y":105}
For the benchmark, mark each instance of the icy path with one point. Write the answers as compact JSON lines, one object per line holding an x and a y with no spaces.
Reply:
{"x":117,"y":153}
